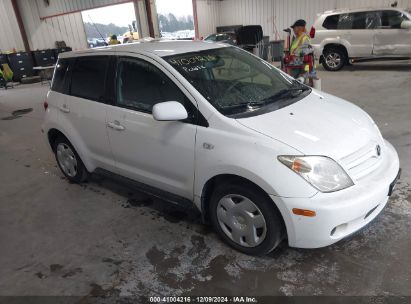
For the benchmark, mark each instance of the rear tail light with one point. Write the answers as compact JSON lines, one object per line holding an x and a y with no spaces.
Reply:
{"x":45,"y":105}
{"x":312,"y":32}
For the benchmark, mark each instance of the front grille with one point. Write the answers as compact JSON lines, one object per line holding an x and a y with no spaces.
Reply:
{"x":363,"y":161}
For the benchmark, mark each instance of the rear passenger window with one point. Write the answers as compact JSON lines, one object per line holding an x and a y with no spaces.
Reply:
{"x":372,"y":20}
{"x":358,"y":21}
{"x":59,"y":77}
{"x":88,"y":77}
{"x":140,"y":85}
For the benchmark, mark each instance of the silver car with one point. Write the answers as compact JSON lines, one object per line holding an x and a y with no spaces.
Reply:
{"x":342,"y":35}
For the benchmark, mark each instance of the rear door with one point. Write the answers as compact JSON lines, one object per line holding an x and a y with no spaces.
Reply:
{"x":59,"y":87}
{"x":83,"y":112}
{"x":158,"y":153}
{"x":390,"y":39}
{"x":356,"y":29}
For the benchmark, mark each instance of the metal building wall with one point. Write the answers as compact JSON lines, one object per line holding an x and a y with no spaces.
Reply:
{"x":58,"y":7}
{"x":372,"y":3}
{"x":208,"y":16}
{"x":42,"y":34}
{"x":274,"y":15}
{"x":9,"y":30}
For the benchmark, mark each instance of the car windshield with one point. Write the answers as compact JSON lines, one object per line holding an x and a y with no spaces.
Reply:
{"x":235,"y":82}
{"x":211,"y":38}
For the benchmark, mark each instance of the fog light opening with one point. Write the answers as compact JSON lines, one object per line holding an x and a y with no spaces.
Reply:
{"x":371,"y":211}
{"x":339,"y":230}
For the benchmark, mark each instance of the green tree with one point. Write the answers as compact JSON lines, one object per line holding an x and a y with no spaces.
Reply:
{"x":170,"y":23}
{"x":92,"y":30}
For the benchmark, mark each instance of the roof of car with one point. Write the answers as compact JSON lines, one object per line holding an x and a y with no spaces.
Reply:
{"x":361,"y":9}
{"x":159,"y":47}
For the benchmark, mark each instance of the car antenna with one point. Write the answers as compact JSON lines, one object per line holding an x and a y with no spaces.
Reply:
{"x":95,"y":26}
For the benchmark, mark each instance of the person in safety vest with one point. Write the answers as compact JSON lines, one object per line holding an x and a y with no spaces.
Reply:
{"x":113,"y":40}
{"x":300,"y":46}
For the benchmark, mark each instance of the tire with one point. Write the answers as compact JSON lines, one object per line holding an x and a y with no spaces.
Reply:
{"x":265,"y":239}
{"x":334,"y":59}
{"x":69,"y":161}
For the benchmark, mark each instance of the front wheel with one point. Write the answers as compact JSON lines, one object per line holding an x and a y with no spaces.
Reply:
{"x":334,"y":59}
{"x":246,"y":218}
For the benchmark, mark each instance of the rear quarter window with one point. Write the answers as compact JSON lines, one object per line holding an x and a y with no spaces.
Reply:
{"x":331,"y":22}
{"x":60,"y":76}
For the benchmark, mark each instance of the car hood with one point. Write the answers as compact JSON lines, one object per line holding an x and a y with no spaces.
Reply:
{"x":319,"y":124}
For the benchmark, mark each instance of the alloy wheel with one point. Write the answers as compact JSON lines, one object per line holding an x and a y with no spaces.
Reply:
{"x":333,"y":60}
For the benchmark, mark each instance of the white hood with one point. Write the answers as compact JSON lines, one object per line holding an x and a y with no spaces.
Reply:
{"x":318,"y":125}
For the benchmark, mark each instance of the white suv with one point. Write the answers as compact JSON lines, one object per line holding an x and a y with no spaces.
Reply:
{"x":259,"y":154}
{"x":341,"y":35}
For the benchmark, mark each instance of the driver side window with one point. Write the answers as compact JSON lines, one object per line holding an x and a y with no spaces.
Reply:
{"x":392,"y":19}
{"x":140,"y":85}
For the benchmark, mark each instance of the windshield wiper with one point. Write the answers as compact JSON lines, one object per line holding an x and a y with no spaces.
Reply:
{"x":299,"y":86}
{"x":295,"y":90}
{"x":252,"y":105}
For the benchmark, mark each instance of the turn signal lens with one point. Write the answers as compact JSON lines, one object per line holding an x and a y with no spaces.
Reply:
{"x":45,"y":105}
{"x":304,"y":212}
{"x":300,"y":166}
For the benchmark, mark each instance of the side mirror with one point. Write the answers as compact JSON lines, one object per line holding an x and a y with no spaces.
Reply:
{"x":406,"y":24}
{"x":169,"y":111}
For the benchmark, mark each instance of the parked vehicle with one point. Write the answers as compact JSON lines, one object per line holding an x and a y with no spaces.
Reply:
{"x":95,"y":42}
{"x":373,"y":33}
{"x":262,"y":156}
{"x":229,"y":37}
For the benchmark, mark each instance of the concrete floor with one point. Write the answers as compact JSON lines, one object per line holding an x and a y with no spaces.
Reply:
{"x":105,"y":238}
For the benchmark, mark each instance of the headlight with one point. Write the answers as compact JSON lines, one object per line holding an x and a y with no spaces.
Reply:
{"x":320,"y":171}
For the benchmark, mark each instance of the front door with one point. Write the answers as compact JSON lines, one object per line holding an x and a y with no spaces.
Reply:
{"x":157,"y":153}
{"x":390,"y":39}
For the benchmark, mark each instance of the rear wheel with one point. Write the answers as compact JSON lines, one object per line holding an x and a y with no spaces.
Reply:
{"x":68,"y":161}
{"x":334,"y":59}
{"x":246,"y":218}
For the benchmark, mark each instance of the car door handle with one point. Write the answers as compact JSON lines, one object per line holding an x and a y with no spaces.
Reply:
{"x":116,"y":125}
{"x":64,"y":109}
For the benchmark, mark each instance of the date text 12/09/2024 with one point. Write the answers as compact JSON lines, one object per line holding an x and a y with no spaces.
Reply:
{"x":199,"y":299}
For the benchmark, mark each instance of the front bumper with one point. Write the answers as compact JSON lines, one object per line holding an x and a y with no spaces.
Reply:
{"x":340,"y":213}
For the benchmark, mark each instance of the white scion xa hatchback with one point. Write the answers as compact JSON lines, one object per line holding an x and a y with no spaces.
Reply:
{"x":261,"y":156}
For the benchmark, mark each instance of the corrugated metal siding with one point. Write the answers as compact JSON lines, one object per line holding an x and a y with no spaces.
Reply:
{"x":208,"y":17}
{"x":371,"y":3}
{"x":57,"y":7}
{"x":274,"y":14}
{"x":9,"y":29}
{"x":42,"y":34}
